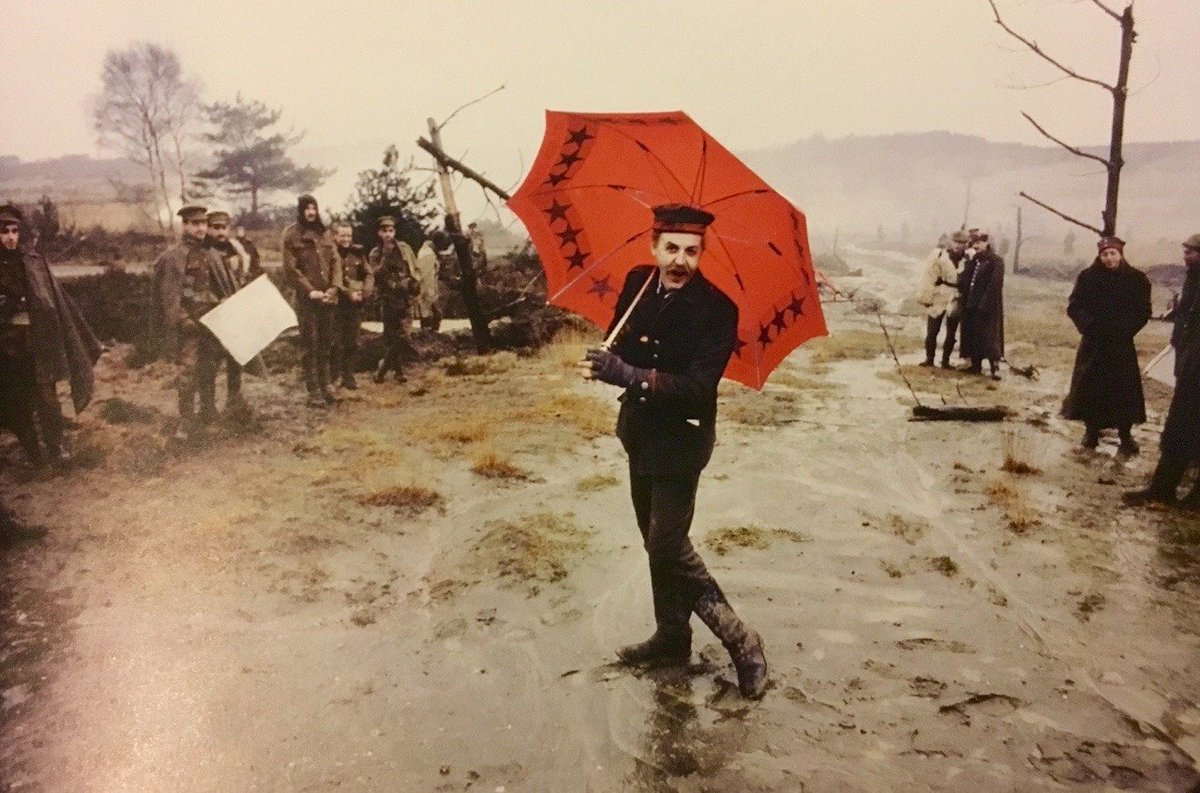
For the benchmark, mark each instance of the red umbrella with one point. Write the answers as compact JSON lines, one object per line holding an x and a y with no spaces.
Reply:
{"x":586,"y":203}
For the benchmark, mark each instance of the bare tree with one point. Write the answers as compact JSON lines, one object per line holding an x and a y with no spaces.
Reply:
{"x":144,"y":110}
{"x":1119,"y":92}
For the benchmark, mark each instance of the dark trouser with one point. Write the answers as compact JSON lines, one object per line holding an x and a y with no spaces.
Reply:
{"x":22,"y":398}
{"x":932,"y":326}
{"x":396,"y":324}
{"x":199,"y":357}
{"x":345,"y":346}
{"x":316,"y":341}
{"x":664,"y":506}
{"x":233,"y":380}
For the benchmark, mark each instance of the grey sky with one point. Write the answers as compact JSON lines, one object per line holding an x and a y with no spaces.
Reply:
{"x":755,"y":74}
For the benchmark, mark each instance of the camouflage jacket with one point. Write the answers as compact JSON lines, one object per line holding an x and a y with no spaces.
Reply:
{"x":395,"y":272}
{"x":190,"y":279}
{"x":356,"y":273}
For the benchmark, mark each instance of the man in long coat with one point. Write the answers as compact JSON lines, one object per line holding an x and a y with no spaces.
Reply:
{"x":938,"y":292}
{"x":983,"y":307}
{"x":1180,"y":443}
{"x":190,"y":279}
{"x":669,"y":359}
{"x":43,"y":339}
{"x":425,"y":304}
{"x":311,"y":266}
{"x":1109,"y":305}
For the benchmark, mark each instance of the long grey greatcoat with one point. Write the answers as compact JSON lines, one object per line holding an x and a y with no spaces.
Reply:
{"x":64,"y":347}
{"x":1108,"y":308}
{"x":668,"y":427}
{"x":983,"y":309}
{"x":1181,"y":432}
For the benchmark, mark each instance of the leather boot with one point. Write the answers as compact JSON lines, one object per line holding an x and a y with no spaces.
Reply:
{"x":1091,"y":438}
{"x":744,"y":644}
{"x":671,"y":644}
{"x":661,"y":649}
{"x":1162,"y":485}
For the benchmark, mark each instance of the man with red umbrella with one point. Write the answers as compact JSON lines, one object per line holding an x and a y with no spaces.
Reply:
{"x":669,"y":357}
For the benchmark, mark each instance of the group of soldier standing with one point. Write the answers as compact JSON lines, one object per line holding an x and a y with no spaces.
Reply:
{"x":333,"y":281}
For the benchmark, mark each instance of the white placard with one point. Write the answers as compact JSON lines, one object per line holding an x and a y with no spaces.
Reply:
{"x":251,"y":319}
{"x":1162,"y":367}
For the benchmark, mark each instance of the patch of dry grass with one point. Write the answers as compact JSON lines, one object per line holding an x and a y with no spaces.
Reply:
{"x":905,"y":529}
{"x":789,"y":379}
{"x":533,"y":549}
{"x":858,"y":345}
{"x":1016,"y":447}
{"x":492,"y":466}
{"x":1019,"y":514}
{"x":944,"y":565}
{"x":727,"y":538}
{"x":459,"y":430}
{"x":568,"y":346}
{"x":760,"y":409}
{"x":593,"y":417}
{"x":410,"y":500}
{"x":590,"y":484}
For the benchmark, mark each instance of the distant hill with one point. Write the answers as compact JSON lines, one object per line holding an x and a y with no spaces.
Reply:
{"x":920,"y":181}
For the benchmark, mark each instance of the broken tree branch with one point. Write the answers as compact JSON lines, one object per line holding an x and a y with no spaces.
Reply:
{"x":1033,"y":46}
{"x":1107,"y":10}
{"x":468,"y":104}
{"x":448,"y":161}
{"x":1067,"y":218}
{"x":1073,"y":149}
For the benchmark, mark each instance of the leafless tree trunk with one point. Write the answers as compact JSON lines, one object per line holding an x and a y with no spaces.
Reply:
{"x":146,"y":105}
{"x":1017,"y":245}
{"x":1119,"y":92}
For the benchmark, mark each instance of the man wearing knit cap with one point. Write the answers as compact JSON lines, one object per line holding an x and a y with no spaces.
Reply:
{"x":669,"y":358}
{"x":190,"y":279}
{"x":1180,"y":443}
{"x":237,"y":262}
{"x":43,"y":339}
{"x":394,"y":265}
{"x":312,"y":268}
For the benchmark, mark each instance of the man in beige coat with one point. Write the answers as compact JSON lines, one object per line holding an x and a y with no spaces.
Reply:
{"x":938,"y":293}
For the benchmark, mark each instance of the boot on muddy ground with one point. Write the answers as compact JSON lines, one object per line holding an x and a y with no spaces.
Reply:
{"x":744,"y":644}
{"x":661,"y":649}
{"x":1161,"y":489}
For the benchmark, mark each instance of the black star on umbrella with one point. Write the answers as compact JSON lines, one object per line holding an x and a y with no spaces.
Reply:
{"x":796,"y":306}
{"x":779,"y":321}
{"x":764,"y":335}
{"x":569,"y":159}
{"x":601,"y":287}
{"x":579,"y":137}
{"x":576,"y":259}
{"x":557,"y":211}
{"x":568,"y":235}
{"x":556,"y":179}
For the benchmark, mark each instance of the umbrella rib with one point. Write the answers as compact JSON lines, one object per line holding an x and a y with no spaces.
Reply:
{"x":755,"y":191}
{"x":618,"y":187}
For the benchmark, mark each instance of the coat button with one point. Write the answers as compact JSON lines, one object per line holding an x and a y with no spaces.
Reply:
{"x":642,"y":399}
{"x":645,"y":385}
{"x":645,"y":339}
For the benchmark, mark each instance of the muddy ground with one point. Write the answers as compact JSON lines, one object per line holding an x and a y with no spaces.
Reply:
{"x":421,"y":588}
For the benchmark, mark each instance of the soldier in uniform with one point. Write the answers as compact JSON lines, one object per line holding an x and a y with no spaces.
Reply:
{"x":394,"y":265}
{"x":237,"y":262}
{"x":478,"y":247}
{"x":669,"y":359}
{"x":43,"y":339}
{"x":358,"y":284}
{"x":190,"y":279}
{"x":311,"y":266}
{"x":428,"y":267}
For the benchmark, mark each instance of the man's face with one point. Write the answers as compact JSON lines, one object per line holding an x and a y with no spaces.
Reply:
{"x":197,"y":228}
{"x":341,"y":236}
{"x":1110,"y":258}
{"x":10,"y":236}
{"x":1191,"y":256}
{"x":310,"y":212}
{"x":219,"y":230}
{"x":677,"y":255}
{"x":387,"y":234}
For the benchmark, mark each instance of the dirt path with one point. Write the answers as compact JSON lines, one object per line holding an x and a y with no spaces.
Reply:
{"x":340,"y":600}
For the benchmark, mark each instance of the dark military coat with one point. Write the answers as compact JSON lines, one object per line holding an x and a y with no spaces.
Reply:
{"x":395,"y":275}
{"x":1181,"y":432}
{"x":667,"y":421}
{"x":1108,"y":308}
{"x":190,"y":278}
{"x":983,"y":309}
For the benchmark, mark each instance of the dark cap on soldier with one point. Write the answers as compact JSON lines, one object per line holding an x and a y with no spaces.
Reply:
{"x":218,"y":214}
{"x":1192,"y":242}
{"x":387,"y":221}
{"x":961,"y":236}
{"x":978,"y":236}
{"x":192,"y":212}
{"x":681,"y":218}
{"x":10,"y":214}
{"x":1115,"y":243}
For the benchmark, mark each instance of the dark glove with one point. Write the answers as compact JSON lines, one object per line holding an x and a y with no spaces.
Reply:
{"x":608,"y":367}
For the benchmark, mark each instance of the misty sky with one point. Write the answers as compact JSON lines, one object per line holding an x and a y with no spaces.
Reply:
{"x":755,"y":74}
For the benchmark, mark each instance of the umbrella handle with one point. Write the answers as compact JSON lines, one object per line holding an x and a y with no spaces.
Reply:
{"x":608,"y":342}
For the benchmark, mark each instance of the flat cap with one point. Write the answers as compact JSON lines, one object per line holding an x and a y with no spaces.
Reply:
{"x":192,"y":212}
{"x":218,"y":214}
{"x":961,"y":236}
{"x":387,"y":221}
{"x":1193,"y":242}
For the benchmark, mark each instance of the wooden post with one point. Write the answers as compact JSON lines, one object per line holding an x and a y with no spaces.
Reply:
{"x":1017,"y":246}
{"x":462,"y":250}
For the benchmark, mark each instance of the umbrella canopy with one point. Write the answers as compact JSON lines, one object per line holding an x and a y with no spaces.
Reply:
{"x":587,"y":206}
